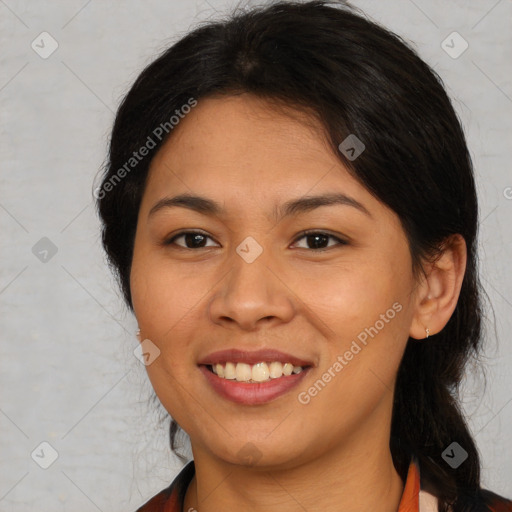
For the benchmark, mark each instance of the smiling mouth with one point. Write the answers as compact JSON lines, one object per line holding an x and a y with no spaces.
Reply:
{"x":256,"y":373}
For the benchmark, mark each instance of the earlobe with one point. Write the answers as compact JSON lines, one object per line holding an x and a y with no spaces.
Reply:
{"x":438,"y":293}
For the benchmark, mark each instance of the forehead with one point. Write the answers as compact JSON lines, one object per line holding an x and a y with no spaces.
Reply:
{"x":243,"y":143}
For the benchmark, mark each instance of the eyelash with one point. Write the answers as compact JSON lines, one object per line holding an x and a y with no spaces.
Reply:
{"x":303,"y":234}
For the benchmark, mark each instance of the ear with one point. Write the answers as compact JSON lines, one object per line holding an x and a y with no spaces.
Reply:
{"x":438,"y":290}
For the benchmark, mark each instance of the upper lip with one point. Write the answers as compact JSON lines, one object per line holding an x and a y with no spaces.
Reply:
{"x":241,"y":356}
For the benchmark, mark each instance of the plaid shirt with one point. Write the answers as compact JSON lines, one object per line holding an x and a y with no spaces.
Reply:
{"x":414,"y":499}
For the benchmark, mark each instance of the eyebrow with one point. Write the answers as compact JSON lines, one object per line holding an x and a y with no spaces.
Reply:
{"x":293,"y":207}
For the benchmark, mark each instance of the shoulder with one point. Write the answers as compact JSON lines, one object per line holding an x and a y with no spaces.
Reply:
{"x":485,"y":501}
{"x":497,"y":503}
{"x":479,"y":500}
{"x":157,"y":503}
{"x":171,"y":498}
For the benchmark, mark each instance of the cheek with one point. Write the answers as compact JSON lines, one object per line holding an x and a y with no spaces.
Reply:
{"x":163,"y":297}
{"x":364,"y":306}
{"x":351,"y":296}
{"x":369,"y":319}
{"x":163,"y":303}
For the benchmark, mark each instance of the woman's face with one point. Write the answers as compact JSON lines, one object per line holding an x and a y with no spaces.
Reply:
{"x":339,"y":303}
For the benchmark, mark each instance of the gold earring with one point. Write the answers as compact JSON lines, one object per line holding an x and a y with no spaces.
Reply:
{"x":427,"y":330}
{"x":137,"y":333}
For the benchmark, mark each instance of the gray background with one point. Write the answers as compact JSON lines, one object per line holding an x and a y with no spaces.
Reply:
{"x":68,"y":374}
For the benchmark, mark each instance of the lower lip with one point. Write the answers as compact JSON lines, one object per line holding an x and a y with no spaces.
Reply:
{"x":252,"y":393}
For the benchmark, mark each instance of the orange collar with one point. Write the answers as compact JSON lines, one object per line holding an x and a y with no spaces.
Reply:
{"x":410,"y":501}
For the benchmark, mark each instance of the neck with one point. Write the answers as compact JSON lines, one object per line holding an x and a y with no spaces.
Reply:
{"x":348,"y":490}
{"x":356,"y":475}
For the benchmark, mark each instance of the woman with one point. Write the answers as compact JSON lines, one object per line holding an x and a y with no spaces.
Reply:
{"x":290,"y":207}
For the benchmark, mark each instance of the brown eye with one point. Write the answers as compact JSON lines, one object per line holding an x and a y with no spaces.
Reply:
{"x":191,"y":240}
{"x":319,"y":240}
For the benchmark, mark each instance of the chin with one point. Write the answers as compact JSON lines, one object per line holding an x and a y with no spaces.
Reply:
{"x":257,"y":452}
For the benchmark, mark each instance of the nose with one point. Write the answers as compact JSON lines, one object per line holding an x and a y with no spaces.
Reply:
{"x":251,"y":295}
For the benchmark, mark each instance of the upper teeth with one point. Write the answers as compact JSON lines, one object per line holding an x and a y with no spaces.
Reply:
{"x":260,"y":372}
